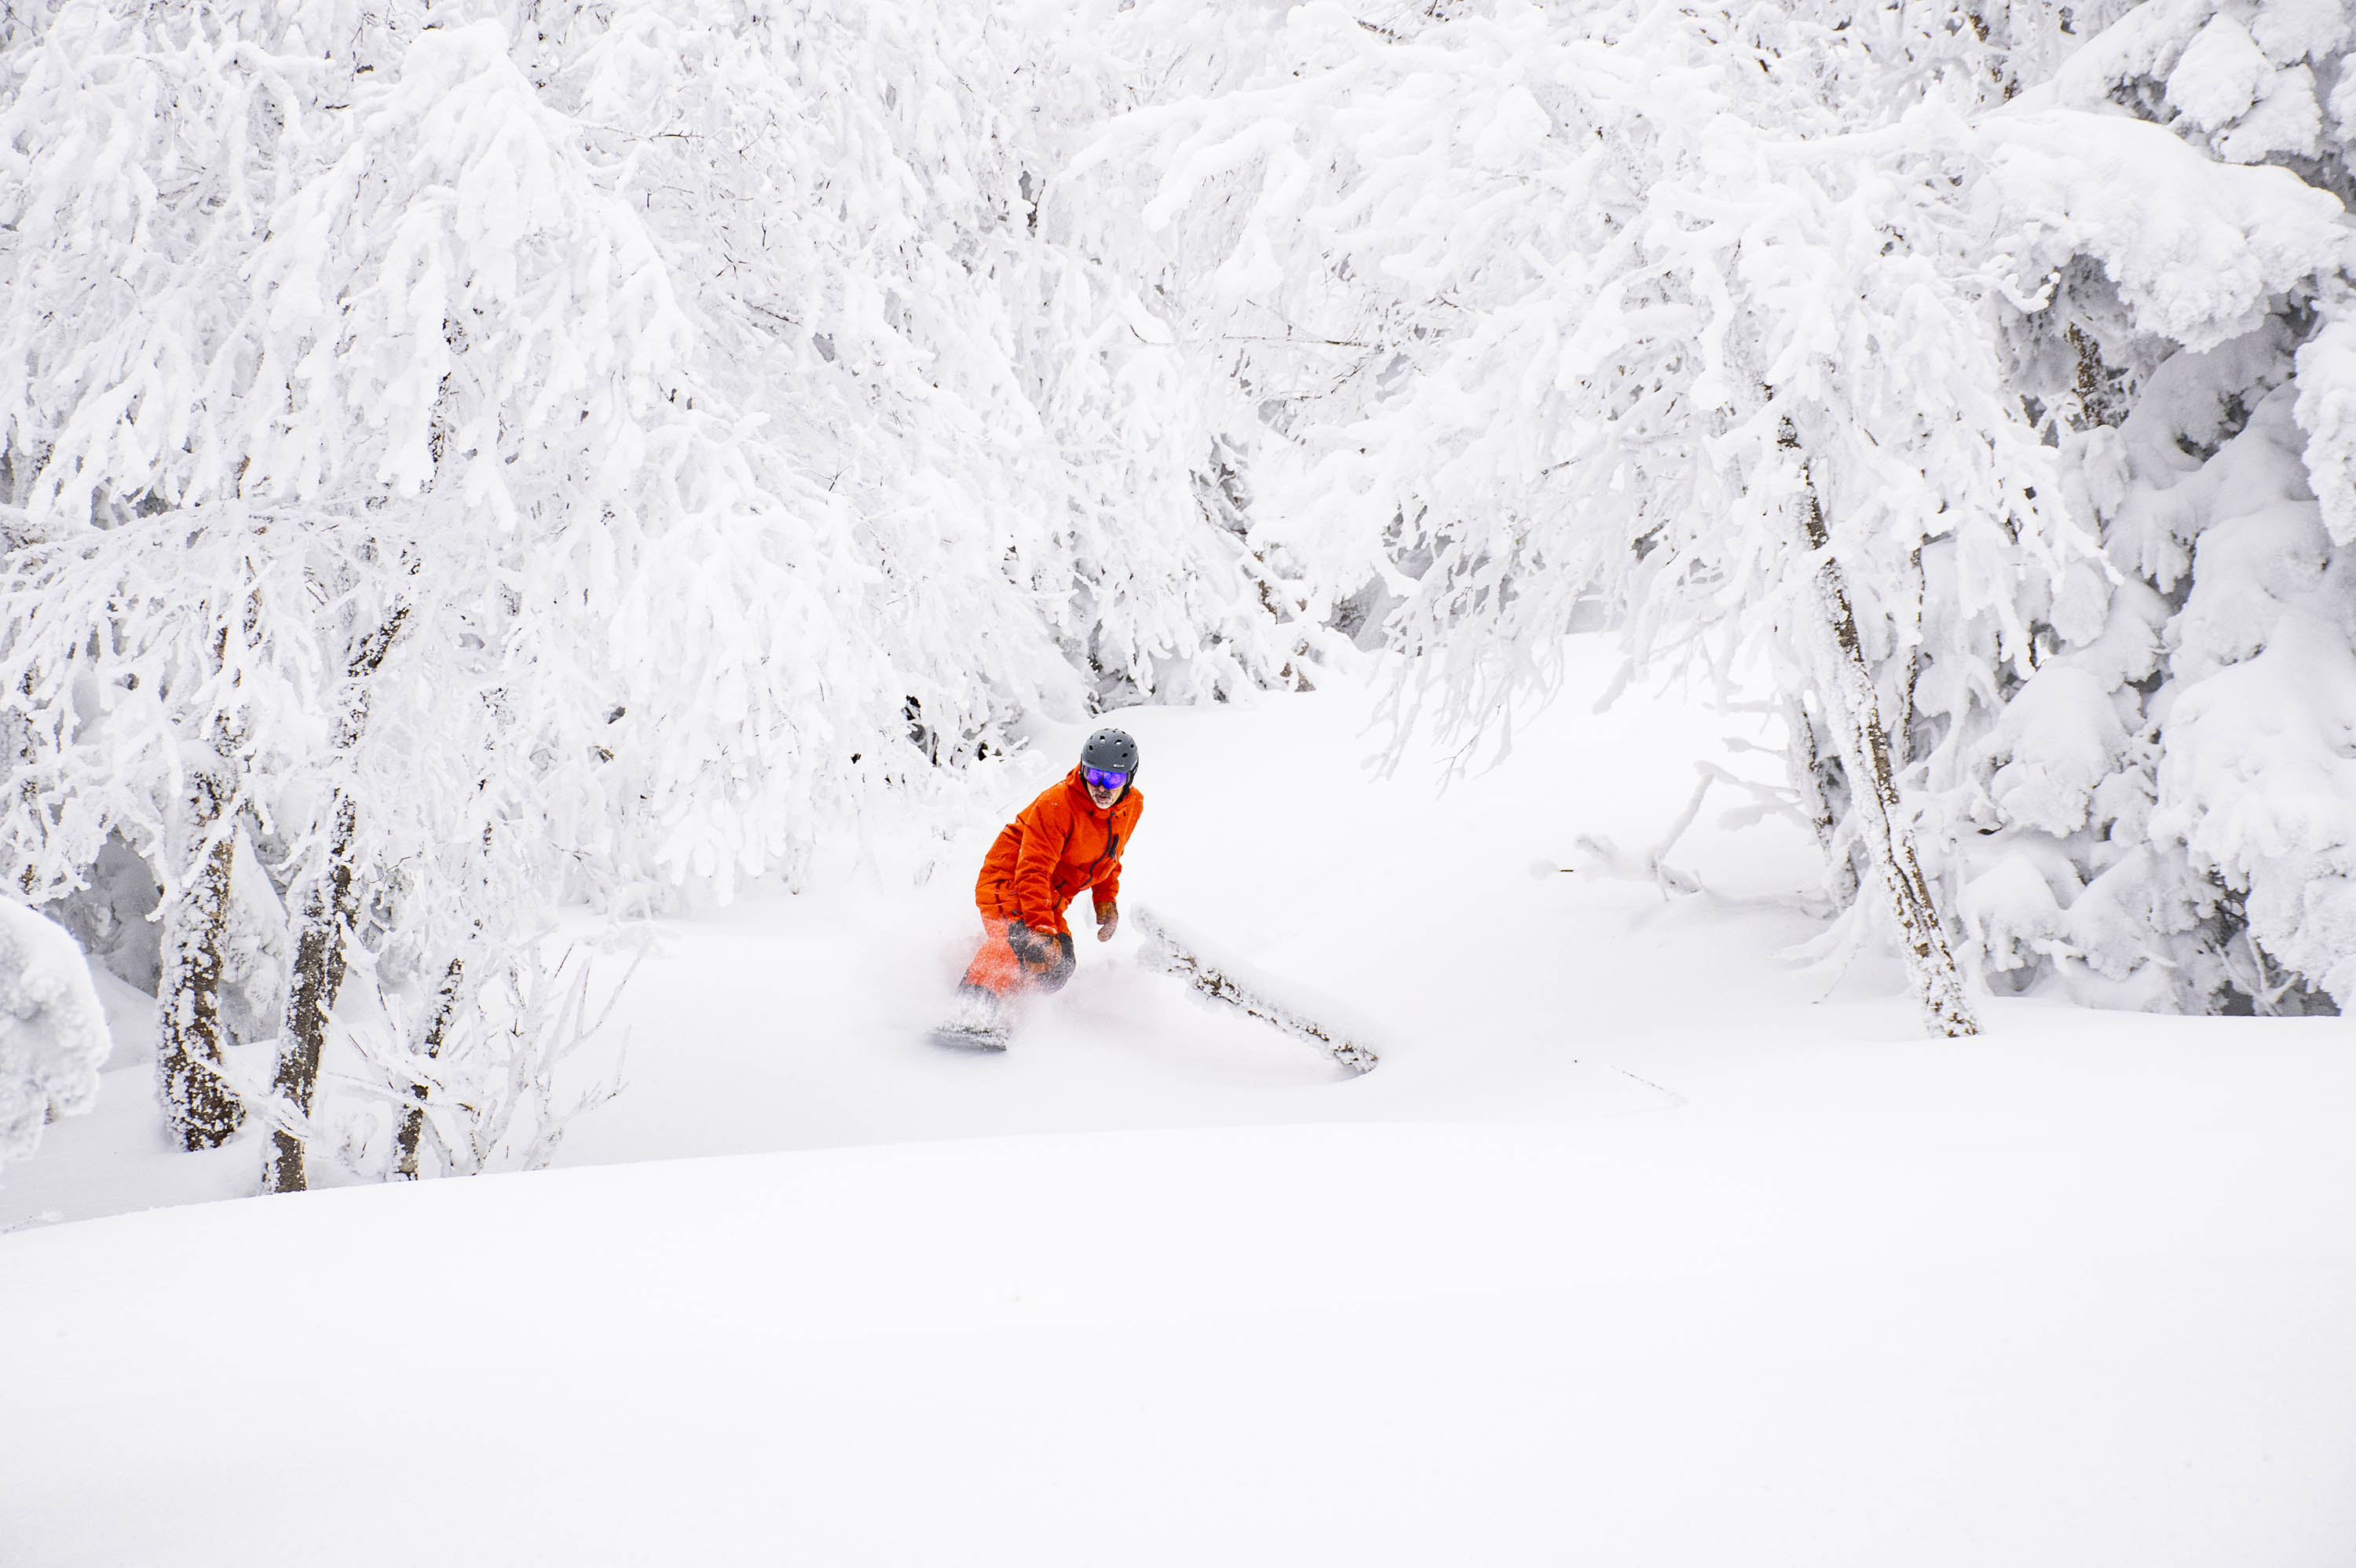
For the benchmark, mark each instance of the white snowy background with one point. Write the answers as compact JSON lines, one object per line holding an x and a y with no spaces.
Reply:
{"x":1751,"y":595}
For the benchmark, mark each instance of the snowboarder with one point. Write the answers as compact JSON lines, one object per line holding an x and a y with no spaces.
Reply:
{"x":1069,"y":838}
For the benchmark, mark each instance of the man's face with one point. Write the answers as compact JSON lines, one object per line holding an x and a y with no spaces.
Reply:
{"x":1104,"y":787}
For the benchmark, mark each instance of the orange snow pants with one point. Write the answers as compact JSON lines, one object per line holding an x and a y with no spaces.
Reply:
{"x":1013,"y":958}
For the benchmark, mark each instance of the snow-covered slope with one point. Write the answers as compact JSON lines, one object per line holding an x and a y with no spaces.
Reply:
{"x":2100,"y":1337}
{"x":1631,"y":1252}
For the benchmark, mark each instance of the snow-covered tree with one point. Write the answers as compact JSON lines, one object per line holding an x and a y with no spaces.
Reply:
{"x":1628,"y":299}
{"x":861,"y":199}
{"x":1795,"y":330}
{"x":2165,"y":820}
{"x":471,"y":454}
{"x":455,"y":457}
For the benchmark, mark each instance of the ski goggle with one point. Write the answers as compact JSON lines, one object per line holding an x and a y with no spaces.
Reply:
{"x":1104,"y":778}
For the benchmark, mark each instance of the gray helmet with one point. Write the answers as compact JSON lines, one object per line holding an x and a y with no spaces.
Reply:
{"x":1111,"y":750}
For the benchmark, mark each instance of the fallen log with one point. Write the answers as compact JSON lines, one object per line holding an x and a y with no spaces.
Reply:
{"x":1174,"y":951}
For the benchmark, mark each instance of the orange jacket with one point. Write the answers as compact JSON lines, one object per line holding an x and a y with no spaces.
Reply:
{"x":1058,"y":844}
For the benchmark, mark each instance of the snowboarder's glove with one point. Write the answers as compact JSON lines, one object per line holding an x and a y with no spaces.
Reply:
{"x":1046,"y":957}
{"x":1107,"y":921}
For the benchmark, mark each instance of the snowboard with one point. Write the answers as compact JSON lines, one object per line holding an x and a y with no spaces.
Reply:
{"x":976,"y":1023}
{"x":971,"y":1036}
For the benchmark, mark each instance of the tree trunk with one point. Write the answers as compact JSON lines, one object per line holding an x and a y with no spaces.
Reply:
{"x":311,"y":999}
{"x":202,"y":1110}
{"x":1855,"y":708}
{"x":1818,"y":783}
{"x":329,"y":907}
{"x":1908,"y":713}
{"x":411,"y":1132}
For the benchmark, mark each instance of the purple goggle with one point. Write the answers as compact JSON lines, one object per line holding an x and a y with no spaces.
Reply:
{"x":1104,"y":778}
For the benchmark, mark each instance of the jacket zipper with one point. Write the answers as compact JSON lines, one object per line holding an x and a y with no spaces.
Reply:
{"x":1112,"y":844}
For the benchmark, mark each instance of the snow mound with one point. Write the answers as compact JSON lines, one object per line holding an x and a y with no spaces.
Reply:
{"x":1667,"y":1340}
{"x":52,"y":1030}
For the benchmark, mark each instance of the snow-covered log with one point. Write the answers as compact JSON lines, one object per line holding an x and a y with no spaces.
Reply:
{"x":52,"y":1032}
{"x":1239,"y":986}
